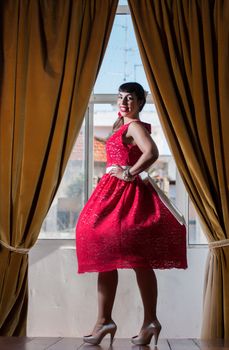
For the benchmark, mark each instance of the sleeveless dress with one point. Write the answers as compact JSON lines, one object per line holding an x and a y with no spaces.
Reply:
{"x":125,"y":224}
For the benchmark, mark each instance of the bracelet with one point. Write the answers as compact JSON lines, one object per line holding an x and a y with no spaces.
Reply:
{"x":127,"y":176}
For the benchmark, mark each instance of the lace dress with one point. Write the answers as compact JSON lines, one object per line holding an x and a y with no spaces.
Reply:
{"x":125,"y":224}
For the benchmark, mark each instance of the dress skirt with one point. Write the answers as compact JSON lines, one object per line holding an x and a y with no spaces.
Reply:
{"x":126,"y":225}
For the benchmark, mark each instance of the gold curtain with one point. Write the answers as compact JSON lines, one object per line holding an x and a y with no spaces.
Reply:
{"x":184,"y":49}
{"x":51,"y":52}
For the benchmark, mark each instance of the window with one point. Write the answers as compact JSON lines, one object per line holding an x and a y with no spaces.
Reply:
{"x":87,"y":162}
{"x":70,"y":197}
{"x":195,"y":231}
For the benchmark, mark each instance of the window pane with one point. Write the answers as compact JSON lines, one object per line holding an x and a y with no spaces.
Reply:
{"x":69,"y":200}
{"x":122,"y":60}
{"x":123,"y":2}
{"x":196,"y":235}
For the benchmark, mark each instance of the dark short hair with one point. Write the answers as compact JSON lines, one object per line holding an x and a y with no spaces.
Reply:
{"x":137,"y":89}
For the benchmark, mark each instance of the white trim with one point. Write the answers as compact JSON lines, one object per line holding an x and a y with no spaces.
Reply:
{"x":90,"y":147}
{"x":86,"y":155}
{"x":112,"y":98}
{"x":123,"y":10}
{"x":88,"y":151}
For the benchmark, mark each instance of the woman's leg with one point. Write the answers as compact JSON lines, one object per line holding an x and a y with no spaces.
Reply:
{"x":107,"y":286}
{"x":147,"y":284}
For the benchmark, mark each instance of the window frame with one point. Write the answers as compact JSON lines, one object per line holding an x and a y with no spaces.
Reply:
{"x":182,"y":198}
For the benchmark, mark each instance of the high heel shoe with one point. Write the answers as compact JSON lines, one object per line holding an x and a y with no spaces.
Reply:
{"x":105,"y":329}
{"x":148,"y":332}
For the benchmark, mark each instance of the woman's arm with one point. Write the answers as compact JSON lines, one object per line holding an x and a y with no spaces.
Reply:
{"x":145,"y":143}
{"x":100,"y":139}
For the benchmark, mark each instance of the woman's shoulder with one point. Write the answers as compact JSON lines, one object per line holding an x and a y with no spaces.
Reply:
{"x":139,"y":122}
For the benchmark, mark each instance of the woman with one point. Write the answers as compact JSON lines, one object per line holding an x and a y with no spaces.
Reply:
{"x":125,"y":224}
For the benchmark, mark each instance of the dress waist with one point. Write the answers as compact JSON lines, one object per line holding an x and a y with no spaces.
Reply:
{"x":143,"y":174}
{"x":113,"y":166}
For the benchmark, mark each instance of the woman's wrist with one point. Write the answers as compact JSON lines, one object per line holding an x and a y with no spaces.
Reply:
{"x":126,"y":175}
{"x":129,"y":171}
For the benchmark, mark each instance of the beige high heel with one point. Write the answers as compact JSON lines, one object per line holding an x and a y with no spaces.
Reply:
{"x":104,"y":330}
{"x":148,"y":332}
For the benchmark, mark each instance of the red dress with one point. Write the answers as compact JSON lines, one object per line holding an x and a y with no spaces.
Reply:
{"x":125,"y":224}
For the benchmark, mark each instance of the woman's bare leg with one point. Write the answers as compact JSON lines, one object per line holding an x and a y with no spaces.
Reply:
{"x":147,"y":284}
{"x":107,"y":286}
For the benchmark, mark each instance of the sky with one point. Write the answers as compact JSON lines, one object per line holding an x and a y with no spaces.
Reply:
{"x":122,"y":62}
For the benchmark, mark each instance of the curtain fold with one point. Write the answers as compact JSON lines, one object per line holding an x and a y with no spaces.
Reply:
{"x":184,"y":49}
{"x":50,"y":55}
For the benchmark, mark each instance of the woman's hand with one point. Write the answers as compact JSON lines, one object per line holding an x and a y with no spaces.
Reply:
{"x":117,"y":171}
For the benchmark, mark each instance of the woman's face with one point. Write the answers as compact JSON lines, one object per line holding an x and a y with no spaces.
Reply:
{"x":128,"y":104}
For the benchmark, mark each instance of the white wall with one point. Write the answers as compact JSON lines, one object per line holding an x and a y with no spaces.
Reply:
{"x":64,"y":303}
